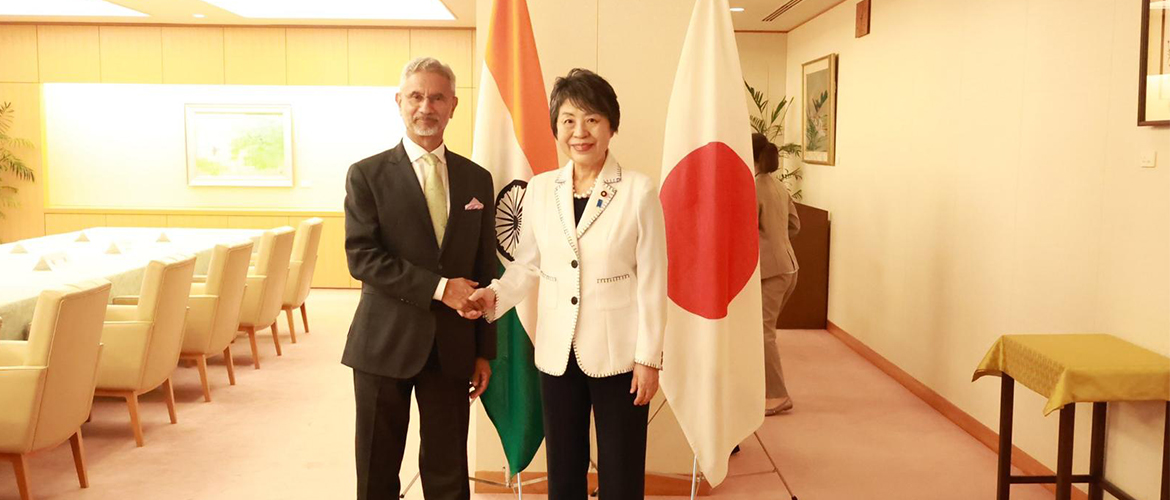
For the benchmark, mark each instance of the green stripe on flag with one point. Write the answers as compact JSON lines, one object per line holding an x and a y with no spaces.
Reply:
{"x":512,"y":399}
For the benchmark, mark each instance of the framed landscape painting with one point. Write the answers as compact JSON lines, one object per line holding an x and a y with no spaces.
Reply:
{"x":1154,"y":73}
{"x":819,"y":120}
{"x":239,"y":145}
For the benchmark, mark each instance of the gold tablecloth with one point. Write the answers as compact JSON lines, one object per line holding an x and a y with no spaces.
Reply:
{"x":1079,"y":368}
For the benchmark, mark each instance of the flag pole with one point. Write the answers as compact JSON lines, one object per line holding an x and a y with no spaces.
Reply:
{"x":695,"y":478}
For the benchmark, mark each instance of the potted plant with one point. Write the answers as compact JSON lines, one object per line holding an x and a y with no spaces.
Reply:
{"x":10,"y":163}
{"x":769,"y":121}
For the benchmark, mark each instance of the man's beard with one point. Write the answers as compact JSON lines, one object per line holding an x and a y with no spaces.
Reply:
{"x":423,"y":130}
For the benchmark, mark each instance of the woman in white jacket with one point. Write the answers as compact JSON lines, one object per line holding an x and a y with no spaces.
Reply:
{"x":593,"y":246}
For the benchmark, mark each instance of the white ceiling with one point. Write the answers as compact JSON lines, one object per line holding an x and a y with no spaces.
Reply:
{"x":182,"y":12}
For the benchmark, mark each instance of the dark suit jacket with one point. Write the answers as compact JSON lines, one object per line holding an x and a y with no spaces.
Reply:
{"x":390,"y":245}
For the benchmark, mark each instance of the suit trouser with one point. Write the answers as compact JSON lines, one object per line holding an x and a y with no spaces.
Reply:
{"x":621,"y":435}
{"x":383,"y":415}
{"x":776,"y":292}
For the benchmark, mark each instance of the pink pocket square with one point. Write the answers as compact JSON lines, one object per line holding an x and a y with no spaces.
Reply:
{"x":474,"y":204}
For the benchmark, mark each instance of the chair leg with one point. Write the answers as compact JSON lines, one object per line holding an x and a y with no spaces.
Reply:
{"x":79,"y":458}
{"x":255,"y":350}
{"x":227,"y":356}
{"x":21,"y":468}
{"x":201,"y":363}
{"x":169,"y":393}
{"x":305,"y":319}
{"x":292,"y":329}
{"x":135,"y":424}
{"x":276,"y":338}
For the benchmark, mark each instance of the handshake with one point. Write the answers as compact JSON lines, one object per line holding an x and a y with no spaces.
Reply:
{"x":463,"y":296}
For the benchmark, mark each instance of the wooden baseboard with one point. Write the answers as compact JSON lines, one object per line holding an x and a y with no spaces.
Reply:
{"x":1025,"y":462}
{"x":655,"y":485}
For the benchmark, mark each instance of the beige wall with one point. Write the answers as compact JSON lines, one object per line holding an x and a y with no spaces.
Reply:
{"x":987,"y":182}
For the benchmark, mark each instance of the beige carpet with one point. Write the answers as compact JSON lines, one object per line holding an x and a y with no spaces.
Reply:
{"x":286,"y":432}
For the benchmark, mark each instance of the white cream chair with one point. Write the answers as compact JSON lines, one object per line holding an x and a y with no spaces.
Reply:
{"x":300,"y":272}
{"x":142,"y":341}
{"x":47,"y":383}
{"x":265,"y":291}
{"x":214,"y":315}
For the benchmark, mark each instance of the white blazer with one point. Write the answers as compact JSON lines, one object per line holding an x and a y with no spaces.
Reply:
{"x":601,"y":283}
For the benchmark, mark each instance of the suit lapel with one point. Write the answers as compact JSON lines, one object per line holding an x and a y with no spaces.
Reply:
{"x":458,"y":195}
{"x":401,"y":173}
{"x":604,"y":190}
{"x":563,"y":193}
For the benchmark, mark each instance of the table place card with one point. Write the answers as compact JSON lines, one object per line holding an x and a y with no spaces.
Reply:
{"x":82,"y":238}
{"x":51,"y":261}
{"x":162,"y":238}
{"x":18,"y":248}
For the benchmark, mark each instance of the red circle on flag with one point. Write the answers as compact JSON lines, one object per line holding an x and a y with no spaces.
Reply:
{"x":712,"y":243}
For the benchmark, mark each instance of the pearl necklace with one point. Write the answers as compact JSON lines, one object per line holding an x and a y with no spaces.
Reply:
{"x":585,"y":195}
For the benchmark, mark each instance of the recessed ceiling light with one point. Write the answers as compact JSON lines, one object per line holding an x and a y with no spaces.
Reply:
{"x":200,"y":16}
{"x":737,"y":9}
{"x":65,"y":8}
{"x":337,"y":9}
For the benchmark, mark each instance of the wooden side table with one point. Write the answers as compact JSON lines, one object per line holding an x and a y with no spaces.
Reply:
{"x":1069,"y":369}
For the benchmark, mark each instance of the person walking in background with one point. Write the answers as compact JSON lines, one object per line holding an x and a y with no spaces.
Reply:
{"x":778,"y":267}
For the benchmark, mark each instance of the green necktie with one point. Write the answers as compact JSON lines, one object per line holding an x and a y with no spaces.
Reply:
{"x":436,"y":196}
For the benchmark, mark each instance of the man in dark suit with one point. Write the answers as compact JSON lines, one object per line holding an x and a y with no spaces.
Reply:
{"x":419,"y":235}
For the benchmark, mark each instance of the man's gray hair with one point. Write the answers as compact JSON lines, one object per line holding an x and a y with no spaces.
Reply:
{"x":430,"y":65}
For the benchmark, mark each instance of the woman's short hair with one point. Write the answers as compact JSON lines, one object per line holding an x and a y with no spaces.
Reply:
{"x":588,"y":91}
{"x":429,"y":65}
{"x":765,"y":154}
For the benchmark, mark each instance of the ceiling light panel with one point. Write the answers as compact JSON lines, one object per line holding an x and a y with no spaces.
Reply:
{"x":337,"y":9}
{"x":74,"y":8}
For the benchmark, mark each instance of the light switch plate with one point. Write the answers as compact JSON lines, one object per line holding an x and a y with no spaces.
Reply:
{"x":1149,"y":159}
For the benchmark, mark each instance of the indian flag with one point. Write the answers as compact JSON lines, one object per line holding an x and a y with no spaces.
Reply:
{"x":713,"y":362}
{"x":513,"y":141}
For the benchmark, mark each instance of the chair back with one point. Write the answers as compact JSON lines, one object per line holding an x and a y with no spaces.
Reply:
{"x":304,"y":262}
{"x":163,"y":301}
{"x":275,"y":251}
{"x":65,"y":337}
{"x":231,"y":273}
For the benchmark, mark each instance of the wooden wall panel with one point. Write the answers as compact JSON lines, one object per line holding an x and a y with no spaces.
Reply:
{"x":131,"y":54}
{"x":207,"y":221}
{"x":192,"y":55}
{"x":136,"y":220}
{"x":64,"y":223}
{"x":317,"y":56}
{"x":254,"y":56}
{"x":18,"y":50}
{"x":453,"y":47}
{"x":69,"y":53}
{"x":376,"y":56}
{"x":256,"y":222}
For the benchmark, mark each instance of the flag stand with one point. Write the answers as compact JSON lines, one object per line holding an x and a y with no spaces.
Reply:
{"x":695,"y":478}
{"x":775,"y":468}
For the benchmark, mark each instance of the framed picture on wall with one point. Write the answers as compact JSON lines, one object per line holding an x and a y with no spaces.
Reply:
{"x":819,"y":98}
{"x":239,"y":145}
{"x":1154,"y":72}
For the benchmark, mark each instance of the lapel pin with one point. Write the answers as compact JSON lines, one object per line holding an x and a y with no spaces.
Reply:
{"x":598,"y":203}
{"x":604,"y":194}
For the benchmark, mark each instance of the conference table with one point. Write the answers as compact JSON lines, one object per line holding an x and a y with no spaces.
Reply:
{"x":117,"y":254}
